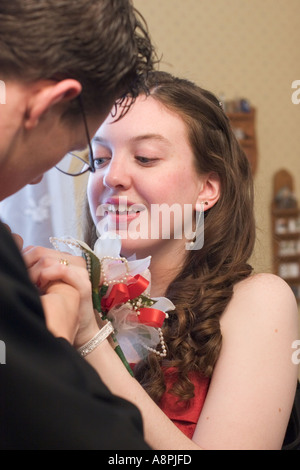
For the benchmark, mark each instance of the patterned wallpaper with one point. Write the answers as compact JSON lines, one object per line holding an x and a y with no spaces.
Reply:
{"x":240,"y":48}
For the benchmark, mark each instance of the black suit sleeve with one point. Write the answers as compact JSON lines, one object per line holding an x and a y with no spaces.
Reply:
{"x":50,"y":398}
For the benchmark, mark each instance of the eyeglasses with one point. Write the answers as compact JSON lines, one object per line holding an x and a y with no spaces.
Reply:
{"x":79,"y":162}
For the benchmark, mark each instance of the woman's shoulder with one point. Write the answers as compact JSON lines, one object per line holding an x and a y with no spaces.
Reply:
{"x":262,"y":296}
{"x":265,"y":286}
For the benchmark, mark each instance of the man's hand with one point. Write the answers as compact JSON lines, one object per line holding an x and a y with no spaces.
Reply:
{"x":66,"y":293}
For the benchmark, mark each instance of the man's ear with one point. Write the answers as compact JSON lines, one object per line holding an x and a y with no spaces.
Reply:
{"x":209,"y":193}
{"x":48,"y":94}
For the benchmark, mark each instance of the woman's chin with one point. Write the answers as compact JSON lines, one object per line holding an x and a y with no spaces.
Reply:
{"x":135,"y":246}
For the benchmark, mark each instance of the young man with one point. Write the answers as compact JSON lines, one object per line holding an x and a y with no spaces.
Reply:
{"x":63,"y":65}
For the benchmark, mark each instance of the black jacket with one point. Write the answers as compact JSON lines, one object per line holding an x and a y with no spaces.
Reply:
{"x":50,"y":398}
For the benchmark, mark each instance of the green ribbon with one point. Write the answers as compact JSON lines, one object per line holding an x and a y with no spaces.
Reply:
{"x":97,"y":294}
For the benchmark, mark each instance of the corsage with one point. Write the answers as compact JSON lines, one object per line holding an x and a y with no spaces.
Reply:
{"x":121,"y":294}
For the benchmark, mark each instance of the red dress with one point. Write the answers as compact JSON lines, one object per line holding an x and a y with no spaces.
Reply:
{"x":184,"y":417}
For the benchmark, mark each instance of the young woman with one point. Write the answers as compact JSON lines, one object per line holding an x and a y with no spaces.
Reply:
{"x":225,"y":379}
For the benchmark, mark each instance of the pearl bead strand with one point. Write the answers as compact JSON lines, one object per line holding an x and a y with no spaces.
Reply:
{"x":133,"y":305}
{"x":114,"y":281}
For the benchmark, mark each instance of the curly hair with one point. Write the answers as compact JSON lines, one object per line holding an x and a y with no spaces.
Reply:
{"x":104,"y":44}
{"x":204,"y":287}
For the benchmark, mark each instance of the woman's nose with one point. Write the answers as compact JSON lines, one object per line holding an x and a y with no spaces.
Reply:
{"x":116,"y":175}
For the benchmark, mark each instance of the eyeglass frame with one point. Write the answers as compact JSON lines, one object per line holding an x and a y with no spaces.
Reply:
{"x":91,"y":164}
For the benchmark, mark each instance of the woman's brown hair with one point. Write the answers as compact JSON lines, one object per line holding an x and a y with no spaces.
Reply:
{"x":204,"y":287}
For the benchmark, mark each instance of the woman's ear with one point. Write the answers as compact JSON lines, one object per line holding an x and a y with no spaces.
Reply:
{"x":46,"y":95}
{"x":209,"y":193}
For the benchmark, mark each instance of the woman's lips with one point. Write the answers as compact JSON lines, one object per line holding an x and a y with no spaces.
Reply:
{"x":122,"y":214}
{"x":123,"y":209}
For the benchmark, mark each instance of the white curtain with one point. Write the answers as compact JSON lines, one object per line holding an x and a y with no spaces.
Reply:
{"x":47,"y":209}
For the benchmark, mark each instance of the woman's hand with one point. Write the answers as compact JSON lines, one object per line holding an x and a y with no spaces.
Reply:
{"x":66,"y":293}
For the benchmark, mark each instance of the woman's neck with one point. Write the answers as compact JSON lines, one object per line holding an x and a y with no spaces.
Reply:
{"x":164,"y":267}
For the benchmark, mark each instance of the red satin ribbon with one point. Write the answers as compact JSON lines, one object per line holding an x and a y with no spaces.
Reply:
{"x":151,"y":317}
{"x":121,"y":293}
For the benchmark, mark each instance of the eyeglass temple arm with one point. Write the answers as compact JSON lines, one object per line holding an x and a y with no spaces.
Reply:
{"x":91,"y":157}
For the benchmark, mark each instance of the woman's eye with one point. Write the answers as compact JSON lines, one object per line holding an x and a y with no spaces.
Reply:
{"x":145,"y":160}
{"x":100,"y":162}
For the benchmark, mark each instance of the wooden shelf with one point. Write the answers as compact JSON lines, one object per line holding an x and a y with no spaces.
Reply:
{"x":243,"y":125}
{"x":285,"y":212}
{"x":287,"y":236}
{"x":242,"y":116}
{"x":292,"y":280}
{"x":288,"y":258}
{"x":286,"y":265}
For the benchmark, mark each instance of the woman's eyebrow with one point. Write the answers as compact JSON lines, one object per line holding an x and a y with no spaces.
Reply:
{"x":100,"y":140}
{"x":136,"y":138}
{"x":152,"y":136}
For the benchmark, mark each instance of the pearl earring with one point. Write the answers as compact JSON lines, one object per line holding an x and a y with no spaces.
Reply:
{"x":198,"y":240}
